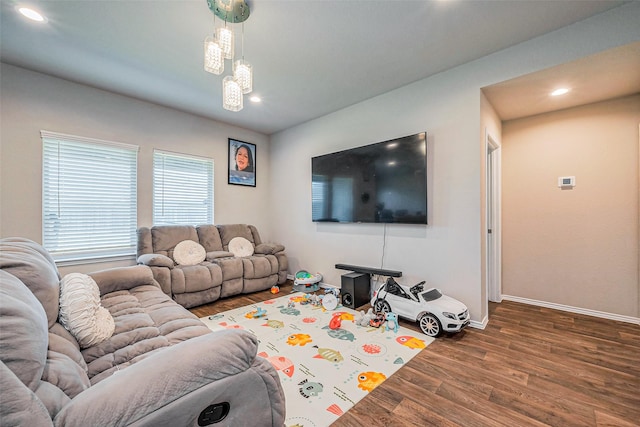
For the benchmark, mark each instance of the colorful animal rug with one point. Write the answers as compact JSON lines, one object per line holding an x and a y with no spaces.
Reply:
{"x":324,"y":370}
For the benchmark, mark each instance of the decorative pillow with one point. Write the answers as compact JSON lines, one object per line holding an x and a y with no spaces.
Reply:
{"x":81,"y":312}
{"x":240,"y":247}
{"x":189,"y":252}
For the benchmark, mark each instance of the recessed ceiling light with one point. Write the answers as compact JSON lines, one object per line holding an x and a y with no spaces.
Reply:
{"x":32,"y":14}
{"x":559,"y":91}
{"x":255,"y":99}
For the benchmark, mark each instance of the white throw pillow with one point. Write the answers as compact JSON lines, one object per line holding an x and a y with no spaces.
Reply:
{"x":81,"y":312}
{"x":189,"y":252}
{"x":240,"y":247}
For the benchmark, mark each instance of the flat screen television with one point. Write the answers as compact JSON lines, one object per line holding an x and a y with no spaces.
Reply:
{"x":385,"y":182}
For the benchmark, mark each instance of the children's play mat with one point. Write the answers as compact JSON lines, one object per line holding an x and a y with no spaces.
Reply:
{"x":324,"y":371}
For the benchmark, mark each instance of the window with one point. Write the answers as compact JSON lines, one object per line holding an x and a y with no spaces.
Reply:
{"x":89,"y":200}
{"x":182,"y":189}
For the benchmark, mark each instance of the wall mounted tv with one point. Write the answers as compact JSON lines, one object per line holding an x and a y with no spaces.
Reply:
{"x":384,"y":182}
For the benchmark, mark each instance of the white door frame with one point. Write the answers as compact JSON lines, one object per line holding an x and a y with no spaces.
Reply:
{"x":493,"y":211}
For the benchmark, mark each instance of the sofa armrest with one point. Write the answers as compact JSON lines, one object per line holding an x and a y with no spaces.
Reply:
{"x":268,"y":248}
{"x":123,"y":278}
{"x":156,"y":260}
{"x":172,"y":386}
{"x":219,"y":254}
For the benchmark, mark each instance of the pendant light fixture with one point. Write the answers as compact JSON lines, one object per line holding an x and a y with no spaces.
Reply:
{"x":222,"y":46}
{"x":243,"y":71}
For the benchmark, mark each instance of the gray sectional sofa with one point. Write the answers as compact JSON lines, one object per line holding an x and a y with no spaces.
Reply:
{"x":160,"y":367}
{"x":221,"y":273}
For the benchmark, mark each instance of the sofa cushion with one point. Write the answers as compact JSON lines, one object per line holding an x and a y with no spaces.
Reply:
{"x":240,"y":247}
{"x":23,"y":326}
{"x":218,"y":254}
{"x":209,"y":237}
{"x":229,"y":231}
{"x":30,"y":263}
{"x":189,"y":252}
{"x":81,"y":312}
{"x":156,"y":260}
{"x":65,"y":374}
{"x":166,"y":237}
{"x":20,"y":406}
{"x":146,"y":320}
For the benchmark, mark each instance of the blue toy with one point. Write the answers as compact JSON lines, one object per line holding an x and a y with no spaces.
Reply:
{"x":392,"y":321}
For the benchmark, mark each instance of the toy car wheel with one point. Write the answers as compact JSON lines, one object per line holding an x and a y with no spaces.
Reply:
{"x":381,"y":306}
{"x":430,"y":325}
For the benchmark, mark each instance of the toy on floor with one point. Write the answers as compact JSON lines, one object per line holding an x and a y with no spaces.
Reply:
{"x":434,"y":312}
{"x":392,"y":321}
{"x":275,"y":289}
{"x":255,"y":314}
{"x":377,"y":321}
{"x":329,"y":302}
{"x":365,"y":318}
{"x":315,"y":300}
{"x":336,"y":321}
{"x":306,"y":282}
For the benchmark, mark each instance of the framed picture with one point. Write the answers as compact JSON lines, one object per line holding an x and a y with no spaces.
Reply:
{"x":242,"y":163}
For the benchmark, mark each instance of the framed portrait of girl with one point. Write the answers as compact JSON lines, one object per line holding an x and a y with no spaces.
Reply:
{"x":242,"y":163}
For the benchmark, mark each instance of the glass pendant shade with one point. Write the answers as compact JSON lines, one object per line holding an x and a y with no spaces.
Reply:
{"x":213,"y":57}
{"x":231,"y":94}
{"x":243,"y":73}
{"x":224,"y":36}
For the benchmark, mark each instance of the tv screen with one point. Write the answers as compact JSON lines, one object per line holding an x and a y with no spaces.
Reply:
{"x":384,"y":182}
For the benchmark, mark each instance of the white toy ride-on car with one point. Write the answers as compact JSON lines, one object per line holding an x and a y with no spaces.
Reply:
{"x":435,"y":313}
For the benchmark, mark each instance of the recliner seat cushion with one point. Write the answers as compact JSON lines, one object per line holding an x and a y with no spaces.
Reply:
{"x":146,"y":320}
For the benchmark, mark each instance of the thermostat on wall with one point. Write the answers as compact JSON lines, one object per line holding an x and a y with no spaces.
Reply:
{"x":566,"y":181}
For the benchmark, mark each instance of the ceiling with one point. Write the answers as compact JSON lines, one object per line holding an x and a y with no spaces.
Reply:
{"x":310,"y":58}
{"x":606,"y":75}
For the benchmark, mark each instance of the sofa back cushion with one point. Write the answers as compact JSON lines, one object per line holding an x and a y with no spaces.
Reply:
{"x":209,"y":237}
{"x":24,"y":337}
{"x":229,"y":231}
{"x":164,"y":238}
{"x":32,"y":264}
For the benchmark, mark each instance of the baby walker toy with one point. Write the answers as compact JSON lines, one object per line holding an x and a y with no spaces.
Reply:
{"x":306,"y":282}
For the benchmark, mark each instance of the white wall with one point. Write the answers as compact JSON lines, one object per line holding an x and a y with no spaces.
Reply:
{"x":447,"y":252}
{"x":32,"y":102}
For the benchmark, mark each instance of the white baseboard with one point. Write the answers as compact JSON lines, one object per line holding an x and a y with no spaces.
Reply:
{"x":562,"y":307}
{"x":322,"y":284}
{"x":479,"y":325}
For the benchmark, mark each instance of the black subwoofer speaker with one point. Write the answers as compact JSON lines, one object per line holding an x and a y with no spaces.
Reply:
{"x":354,"y":290}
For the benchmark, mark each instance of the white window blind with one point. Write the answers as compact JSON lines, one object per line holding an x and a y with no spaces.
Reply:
{"x":89,"y":206}
{"x":182,"y":189}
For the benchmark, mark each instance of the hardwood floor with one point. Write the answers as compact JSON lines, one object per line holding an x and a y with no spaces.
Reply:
{"x":531,"y":366}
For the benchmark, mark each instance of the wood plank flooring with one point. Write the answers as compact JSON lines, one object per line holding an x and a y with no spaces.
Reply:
{"x":531,"y":366}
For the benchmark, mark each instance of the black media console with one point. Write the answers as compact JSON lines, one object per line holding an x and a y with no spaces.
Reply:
{"x":356,"y":287}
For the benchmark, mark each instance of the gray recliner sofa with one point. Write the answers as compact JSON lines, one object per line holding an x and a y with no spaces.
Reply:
{"x":221,"y":274}
{"x":161,"y":366}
